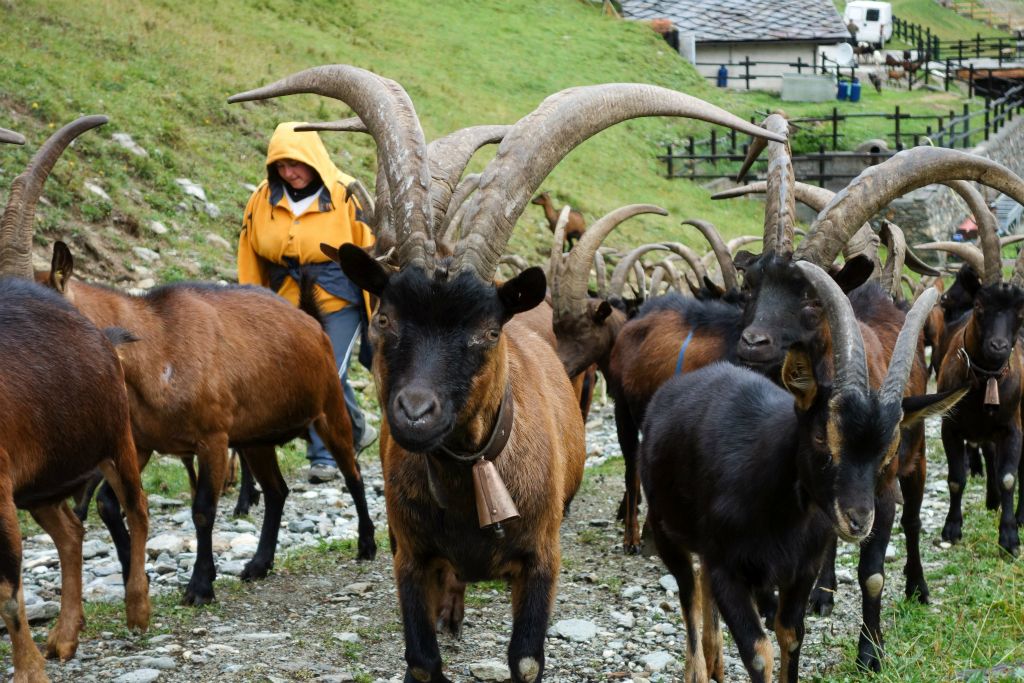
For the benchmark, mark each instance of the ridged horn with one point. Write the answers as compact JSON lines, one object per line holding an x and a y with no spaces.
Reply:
{"x":11,"y":137}
{"x":389,"y":115}
{"x":736,"y":243}
{"x":622,"y":268}
{"x":558,"y":242}
{"x":515,"y":262}
{"x":848,"y":357}
{"x":465,"y":188}
{"x":987,"y":230}
{"x":1010,"y":239}
{"x":538,"y":141}
{"x":448,"y":157}
{"x":878,"y":185}
{"x":571,"y":272}
{"x":690,"y":256}
{"x":366,"y":204}
{"x":730,"y":278}
{"x":352,"y":124}
{"x":906,"y":347}
{"x":16,"y":224}
{"x":896,"y":244}
{"x":780,"y":203}
{"x":968,"y":253}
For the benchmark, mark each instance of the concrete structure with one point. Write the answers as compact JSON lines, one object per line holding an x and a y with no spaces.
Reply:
{"x":728,"y":31}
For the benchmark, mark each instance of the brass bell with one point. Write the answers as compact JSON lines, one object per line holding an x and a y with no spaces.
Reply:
{"x":992,"y":392}
{"x":493,"y":503}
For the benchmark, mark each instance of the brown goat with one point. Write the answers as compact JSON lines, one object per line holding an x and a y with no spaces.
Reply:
{"x":452,"y":361}
{"x":64,"y":413}
{"x":218,"y":366}
{"x":574,"y":228}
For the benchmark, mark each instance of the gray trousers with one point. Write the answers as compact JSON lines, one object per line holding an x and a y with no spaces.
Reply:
{"x":342,"y":328}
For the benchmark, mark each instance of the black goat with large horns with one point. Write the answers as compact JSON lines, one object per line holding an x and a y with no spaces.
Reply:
{"x":455,"y":371}
{"x":756,"y":479}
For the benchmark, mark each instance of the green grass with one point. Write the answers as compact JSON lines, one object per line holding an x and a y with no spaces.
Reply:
{"x":945,"y":23}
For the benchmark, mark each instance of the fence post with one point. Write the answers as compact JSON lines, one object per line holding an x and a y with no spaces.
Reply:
{"x":927,"y":40}
{"x":896,"y":136}
{"x":999,"y":49}
{"x":799,"y":64}
{"x":714,"y":146}
{"x":946,"y":79}
{"x":952,"y":129}
{"x":977,"y":45}
{"x":821,"y":165}
{"x":967,"y":126}
{"x":668,"y":161}
{"x":970,"y":81}
{"x":746,"y":68}
{"x":732,"y":141}
{"x":988,"y":105}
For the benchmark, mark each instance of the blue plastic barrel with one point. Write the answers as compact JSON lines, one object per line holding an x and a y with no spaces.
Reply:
{"x":855,"y":91}
{"x":843,"y":90}
{"x":723,"y":76}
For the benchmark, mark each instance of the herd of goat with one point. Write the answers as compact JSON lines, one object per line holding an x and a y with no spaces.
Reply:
{"x":780,"y":395}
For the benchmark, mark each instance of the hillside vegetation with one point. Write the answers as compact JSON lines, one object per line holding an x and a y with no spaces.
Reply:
{"x":162,"y":72}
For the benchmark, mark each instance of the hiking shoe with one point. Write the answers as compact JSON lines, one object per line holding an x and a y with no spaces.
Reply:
{"x":369,"y":436}
{"x":322,"y":472}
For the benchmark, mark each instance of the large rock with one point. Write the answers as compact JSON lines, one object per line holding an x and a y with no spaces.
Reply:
{"x":490,"y":670}
{"x":576,"y":630}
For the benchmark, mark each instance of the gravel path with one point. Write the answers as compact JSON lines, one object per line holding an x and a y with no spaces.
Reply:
{"x":333,"y":619}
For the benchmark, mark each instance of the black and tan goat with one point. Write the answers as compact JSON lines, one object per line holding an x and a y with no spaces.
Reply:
{"x":64,"y":412}
{"x":457,"y":376}
{"x":756,"y":480}
{"x":574,"y":227}
{"x":984,"y":355}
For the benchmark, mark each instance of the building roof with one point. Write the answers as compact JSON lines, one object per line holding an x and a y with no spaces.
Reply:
{"x":745,"y":20}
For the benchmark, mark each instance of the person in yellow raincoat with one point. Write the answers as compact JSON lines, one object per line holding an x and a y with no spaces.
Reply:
{"x":301,"y":204}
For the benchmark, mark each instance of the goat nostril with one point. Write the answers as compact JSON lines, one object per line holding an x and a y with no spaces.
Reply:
{"x":417,"y":405}
{"x":755,"y":338}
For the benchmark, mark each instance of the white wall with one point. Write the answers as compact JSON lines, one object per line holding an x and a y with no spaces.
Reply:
{"x":711,"y":55}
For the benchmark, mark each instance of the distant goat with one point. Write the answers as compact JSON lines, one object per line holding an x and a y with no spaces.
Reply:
{"x":573,"y":229}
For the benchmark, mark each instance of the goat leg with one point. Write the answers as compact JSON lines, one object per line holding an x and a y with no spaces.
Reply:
{"x":629,"y":444}
{"x":974,"y":463}
{"x":912,"y":486}
{"x":991,"y":480}
{"x":871,"y":577}
{"x":823,"y":596}
{"x":711,"y":638}
{"x":451,"y":603}
{"x":533,"y":593}
{"x":213,"y":457}
{"x":261,"y":463}
{"x":123,"y":476}
{"x":953,"y":443}
{"x":737,"y":606}
{"x":422,"y":656}
{"x":29,"y":665}
{"x":678,"y":562}
{"x":789,"y":625}
{"x":337,"y":436}
{"x":248,"y":494}
{"x":1007,"y":469}
{"x":85,"y":495}
{"x":67,"y":533}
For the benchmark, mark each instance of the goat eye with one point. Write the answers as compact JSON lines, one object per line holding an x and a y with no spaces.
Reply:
{"x":492,"y":335}
{"x":383,"y":320}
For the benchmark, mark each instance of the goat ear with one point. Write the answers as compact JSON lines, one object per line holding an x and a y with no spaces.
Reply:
{"x":359,"y":266}
{"x":969,"y":280}
{"x":743,"y":259}
{"x":523,"y":292}
{"x":601,"y":312}
{"x":714,"y":291}
{"x":917,"y":408}
{"x":798,"y":376}
{"x":62,"y":265}
{"x":854,"y":273}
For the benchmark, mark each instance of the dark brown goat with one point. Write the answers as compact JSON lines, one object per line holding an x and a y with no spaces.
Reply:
{"x":574,"y":228}
{"x":64,"y":412}
{"x":755,"y":480}
{"x":450,"y":356}
{"x":218,"y":367}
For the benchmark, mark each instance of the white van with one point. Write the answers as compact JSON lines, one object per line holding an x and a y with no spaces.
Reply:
{"x":873,"y":20}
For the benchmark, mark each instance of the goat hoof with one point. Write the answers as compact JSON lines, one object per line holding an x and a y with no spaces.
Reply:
{"x":918,"y":590}
{"x":254,"y":570}
{"x":367,"y":549}
{"x":951,"y":532}
{"x":62,"y":650}
{"x":1009,"y":542}
{"x":193,"y":598}
{"x":631,"y":548}
{"x":240,"y":510}
{"x":868,"y":659}
{"x":821,"y":603}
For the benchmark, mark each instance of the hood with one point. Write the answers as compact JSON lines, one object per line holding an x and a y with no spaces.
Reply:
{"x":306,"y":147}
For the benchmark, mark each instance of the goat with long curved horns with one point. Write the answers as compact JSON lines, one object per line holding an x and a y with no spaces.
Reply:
{"x":453,"y":364}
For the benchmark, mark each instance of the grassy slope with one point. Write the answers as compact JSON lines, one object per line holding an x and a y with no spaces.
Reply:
{"x":945,"y":23}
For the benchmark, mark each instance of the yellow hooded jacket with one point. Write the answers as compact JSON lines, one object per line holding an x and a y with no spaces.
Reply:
{"x":271,"y":233}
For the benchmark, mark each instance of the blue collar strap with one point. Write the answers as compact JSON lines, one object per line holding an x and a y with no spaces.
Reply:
{"x":682,"y":353}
